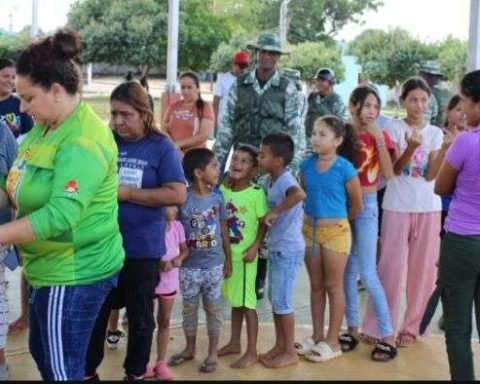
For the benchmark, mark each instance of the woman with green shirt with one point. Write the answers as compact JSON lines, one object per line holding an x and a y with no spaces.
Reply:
{"x":63,"y":188}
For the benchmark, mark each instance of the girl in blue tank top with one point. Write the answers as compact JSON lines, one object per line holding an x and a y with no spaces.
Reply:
{"x":333,"y":198}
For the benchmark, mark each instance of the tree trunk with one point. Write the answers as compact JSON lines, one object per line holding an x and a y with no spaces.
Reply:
{"x":145,"y":70}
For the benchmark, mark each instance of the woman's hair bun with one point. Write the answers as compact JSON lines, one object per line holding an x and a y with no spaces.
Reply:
{"x":66,"y":43}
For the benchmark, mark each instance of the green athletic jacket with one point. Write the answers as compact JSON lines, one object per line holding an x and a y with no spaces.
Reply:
{"x":65,"y":183}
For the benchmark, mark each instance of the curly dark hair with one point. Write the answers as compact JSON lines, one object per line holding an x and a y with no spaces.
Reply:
{"x":53,"y":60}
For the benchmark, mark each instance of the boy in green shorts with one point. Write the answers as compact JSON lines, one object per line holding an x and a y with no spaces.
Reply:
{"x":246,"y":205}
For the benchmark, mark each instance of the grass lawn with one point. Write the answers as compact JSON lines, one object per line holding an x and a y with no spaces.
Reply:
{"x":101,"y":105}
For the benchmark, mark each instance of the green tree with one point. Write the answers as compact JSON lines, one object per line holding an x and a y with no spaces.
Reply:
{"x":452,"y":57}
{"x":314,"y":20}
{"x":308,"y":57}
{"x":135,"y":32}
{"x":243,"y":14}
{"x":118,"y":32}
{"x":388,"y":57}
{"x":221,"y":59}
{"x":11,"y":45}
{"x":201,"y":32}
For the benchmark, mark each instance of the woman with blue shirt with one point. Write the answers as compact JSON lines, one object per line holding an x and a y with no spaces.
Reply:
{"x":151,"y":177}
{"x":333,"y":198}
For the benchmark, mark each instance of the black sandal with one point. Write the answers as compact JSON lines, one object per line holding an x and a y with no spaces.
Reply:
{"x":388,"y":351}
{"x":347,"y":342}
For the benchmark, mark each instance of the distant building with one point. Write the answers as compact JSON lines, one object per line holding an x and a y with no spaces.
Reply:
{"x":352,"y":72}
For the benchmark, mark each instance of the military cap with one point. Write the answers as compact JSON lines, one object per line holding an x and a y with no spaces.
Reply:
{"x":325,"y":74}
{"x":269,"y":42}
{"x":431,"y":67}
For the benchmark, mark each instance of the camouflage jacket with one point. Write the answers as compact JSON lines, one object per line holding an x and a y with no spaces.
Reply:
{"x":441,"y":93}
{"x":431,"y":112}
{"x":318,"y":106}
{"x":260,"y":111}
{"x":303,"y":108}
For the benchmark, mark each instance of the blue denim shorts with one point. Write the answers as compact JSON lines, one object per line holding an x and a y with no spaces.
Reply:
{"x":283,"y":269}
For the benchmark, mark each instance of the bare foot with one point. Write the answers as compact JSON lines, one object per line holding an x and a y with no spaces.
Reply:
{"x":406,"y":339}
{"x":208,"y":365}
{"x":270,"y":354}
{"x":182,"y":357}
{"x":229,"y":349}
{"x":370,"y":340}
{"x":282,"y":360}
{"x":247,"y":360}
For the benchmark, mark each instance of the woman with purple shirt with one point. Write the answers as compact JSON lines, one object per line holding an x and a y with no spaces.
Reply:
{"x":459,"y":269}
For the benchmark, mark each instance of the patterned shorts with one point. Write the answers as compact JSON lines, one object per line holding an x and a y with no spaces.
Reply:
{"x":201,"y":281}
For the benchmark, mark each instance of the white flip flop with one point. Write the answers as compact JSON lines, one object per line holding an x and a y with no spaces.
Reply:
{"x":304,"y":346}
{"x":322,"y":353}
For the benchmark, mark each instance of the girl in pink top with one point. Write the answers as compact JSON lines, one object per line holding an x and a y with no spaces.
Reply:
{"x":167,"y":289}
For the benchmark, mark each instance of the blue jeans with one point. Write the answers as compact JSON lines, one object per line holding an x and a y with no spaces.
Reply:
{"x":283,"y":269}
{"x":363,"y":261}
{"x":61,"y":322}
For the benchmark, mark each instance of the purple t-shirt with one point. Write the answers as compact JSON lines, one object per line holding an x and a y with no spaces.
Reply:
{"x":464,"y":156}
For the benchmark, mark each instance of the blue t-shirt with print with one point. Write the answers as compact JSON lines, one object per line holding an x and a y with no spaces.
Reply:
{"x":19,"y":123}
{"x":286,"y":233}
{"x":326,"y":191}
{"x":147,"y":163}
{"x":201,"y":217}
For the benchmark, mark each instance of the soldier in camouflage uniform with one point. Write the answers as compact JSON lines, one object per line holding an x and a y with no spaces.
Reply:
{"x":432,"y":73}
{"x":261,"y":102}
{"x":294,"y":75}
{"x":323,"y":101}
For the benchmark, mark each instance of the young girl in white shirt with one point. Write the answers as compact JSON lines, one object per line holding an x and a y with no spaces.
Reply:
{"x":411,"y":217}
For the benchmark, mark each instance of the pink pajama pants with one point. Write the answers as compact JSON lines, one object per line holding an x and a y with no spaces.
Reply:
{"x":412,"y":241}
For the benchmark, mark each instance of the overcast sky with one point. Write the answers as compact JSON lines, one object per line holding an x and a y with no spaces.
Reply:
{"x":429,"y":20}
